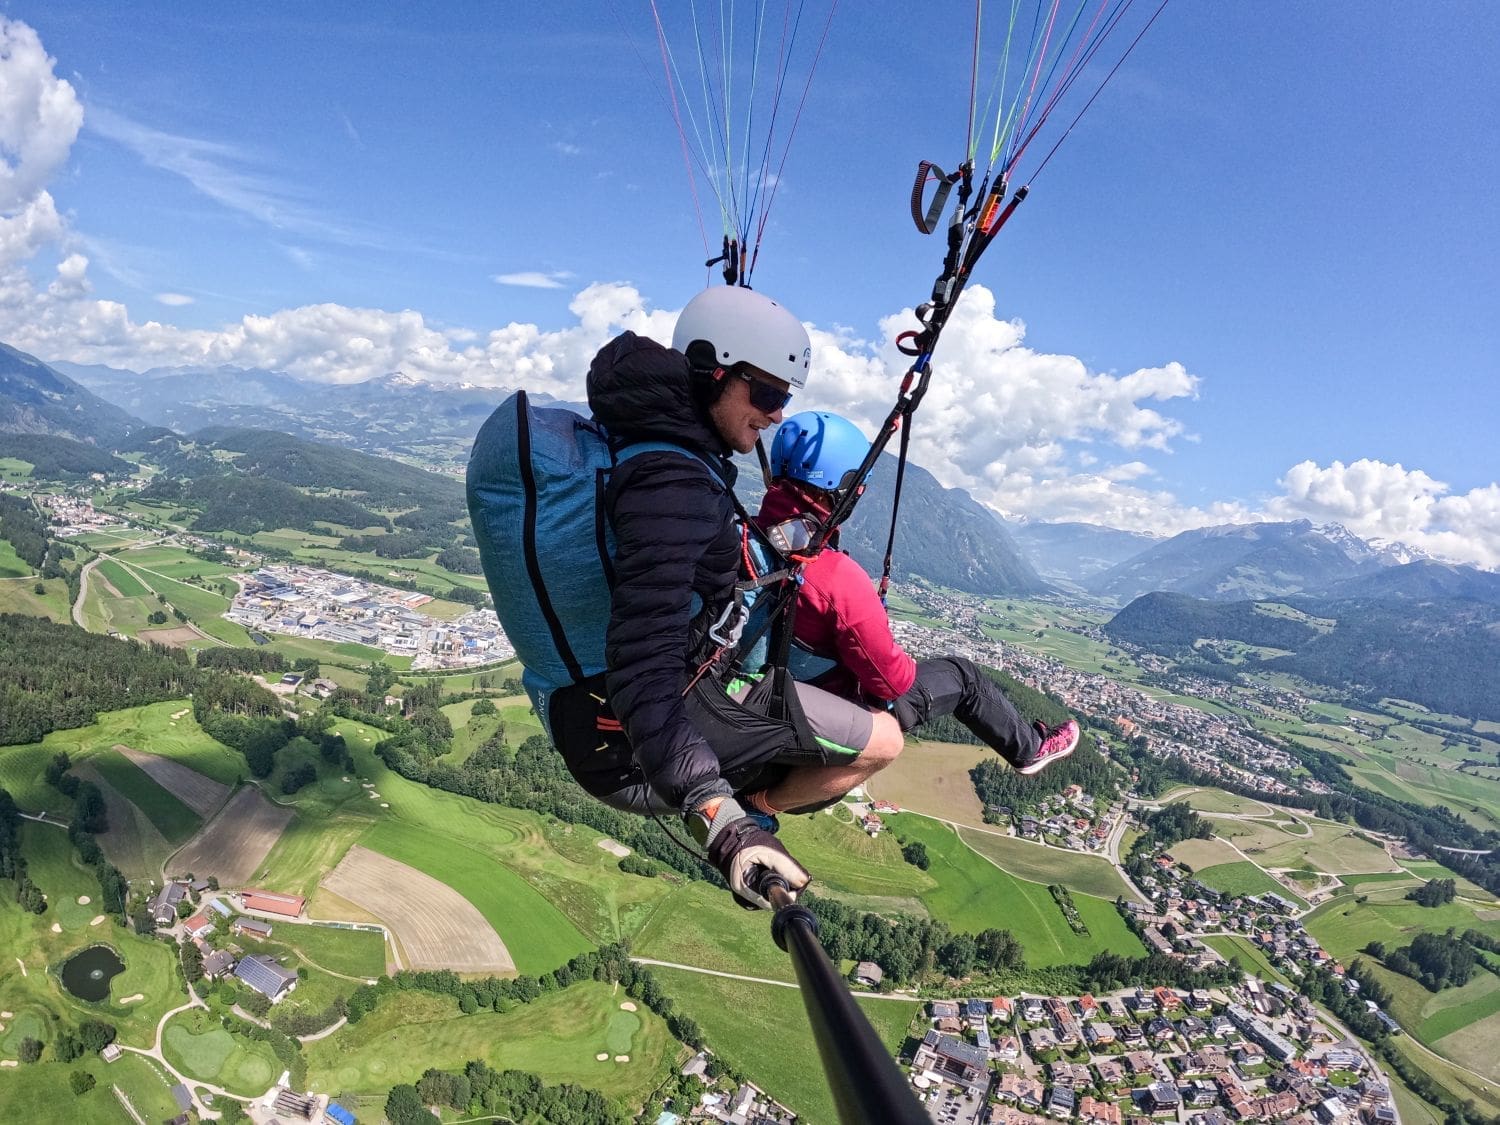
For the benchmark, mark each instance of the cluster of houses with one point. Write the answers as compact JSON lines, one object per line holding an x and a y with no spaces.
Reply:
{"x":257,"y":971}
{"x":1250,"y":1053}
{"x":305,"y":601}
{"x":1070,"y":819}
{"x":746,"y":1104}
{"x":75,"y":515}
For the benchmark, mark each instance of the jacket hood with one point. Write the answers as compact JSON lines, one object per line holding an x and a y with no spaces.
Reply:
{"x":639,"y":389}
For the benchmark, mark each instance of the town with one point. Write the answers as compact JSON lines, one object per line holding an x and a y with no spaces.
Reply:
{"x":304,"y":601}
{"x":1247,"y":1052}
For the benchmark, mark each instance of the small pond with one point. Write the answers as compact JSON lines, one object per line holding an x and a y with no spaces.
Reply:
{"x":87,"y":974}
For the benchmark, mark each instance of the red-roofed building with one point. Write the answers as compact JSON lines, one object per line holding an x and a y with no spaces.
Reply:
{"x":198,"y":925}
{"x":1003,"y":1008}
{"x":1166,"y":998}
{"x":273,"y":902}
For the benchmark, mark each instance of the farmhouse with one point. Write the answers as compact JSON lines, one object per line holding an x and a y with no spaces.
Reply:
{"x":273,"y":902}
{"x":252,"y":926}
{"x":218,"y":964}
{"x":163,"y":904}
{"x":198,"y":925}
{"x":868,"y":974}
{"x":266,"y":976}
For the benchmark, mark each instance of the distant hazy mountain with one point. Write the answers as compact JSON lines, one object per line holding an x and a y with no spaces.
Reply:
{"x":38,"y":399}
{"x":945,"y":536}
{"x":1074,"y":552}
{"x":1422,"y":580}
{"x":1441,"y":652}
{"x":1234,"y":561}
{"x":392,"y":414}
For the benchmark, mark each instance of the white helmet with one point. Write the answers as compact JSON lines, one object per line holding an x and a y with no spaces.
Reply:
{"x":746,"y":327}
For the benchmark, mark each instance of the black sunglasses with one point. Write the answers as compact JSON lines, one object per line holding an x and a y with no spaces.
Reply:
{"x":765,"y":397}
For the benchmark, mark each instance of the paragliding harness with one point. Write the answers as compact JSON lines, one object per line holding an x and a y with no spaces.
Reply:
{"x":535,"y":489}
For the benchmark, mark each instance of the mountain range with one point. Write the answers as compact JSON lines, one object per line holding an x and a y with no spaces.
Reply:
{"x":945,"y":536}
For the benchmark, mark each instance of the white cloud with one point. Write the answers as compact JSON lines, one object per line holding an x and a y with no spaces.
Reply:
{"x":229,"y":175}
{"x":567,"y":148}
{"x":173,"y":300}
{"x":1013,"y":425}
{"x":39,"y":117}
{"x":534,"y":279}
{"x":1384,"y":501}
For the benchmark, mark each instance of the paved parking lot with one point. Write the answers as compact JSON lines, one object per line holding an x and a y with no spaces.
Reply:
{"x":952,"y":1105}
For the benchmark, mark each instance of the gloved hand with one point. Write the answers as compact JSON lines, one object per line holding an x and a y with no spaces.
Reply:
{"x":737,"y":845}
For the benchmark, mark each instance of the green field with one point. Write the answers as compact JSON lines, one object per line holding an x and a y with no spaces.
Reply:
{"x":126,"y":583}
{"x":561,"y":863}
{"x":1044,"y":627}
{"x":556,"y":1037}
{"x":195,"y":1044}
{"x":469,"y":733}
{"x":1091,"y":874}
{"x":142,"y":728}
{"x":53,"y":867}
{"x":19,"y":596}
{"x":1461,"y":1023}
{"x":973,"y":894}
{"x":11,"y":564}
{"x":1244,"y":878}
{"x":174,"y":820}
{"x":701,"y":925}
{"x":538,"y":935}
{"x":843,"y":858}
{"x":204,"y":608}
{"x":356,"y":953}
{"x":762,"y":1030}
{"x":1251,"y":957}
{"x":1218,"y":801}
{"x":1316,"y":845}
{"x":33,"y":1093}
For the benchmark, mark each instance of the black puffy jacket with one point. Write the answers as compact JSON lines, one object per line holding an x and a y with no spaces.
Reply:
{"x":676,"y":537}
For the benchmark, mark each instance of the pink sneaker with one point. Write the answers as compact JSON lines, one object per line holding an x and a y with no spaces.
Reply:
{"x":1057,"y":744}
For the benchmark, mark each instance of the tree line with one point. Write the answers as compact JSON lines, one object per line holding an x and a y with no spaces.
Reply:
{"x":58,"y":677}
{"x":24,"y":528}
{"x":12,"y":862}
{"x":515,"y":1094}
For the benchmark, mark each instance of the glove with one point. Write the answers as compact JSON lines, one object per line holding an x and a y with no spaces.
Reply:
{"x":737,"y":846}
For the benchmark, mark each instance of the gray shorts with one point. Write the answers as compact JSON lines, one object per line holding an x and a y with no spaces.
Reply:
{"x":842,"y":729}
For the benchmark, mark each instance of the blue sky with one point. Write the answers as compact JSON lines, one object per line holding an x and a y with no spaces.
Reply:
{"x":1259,"y":279}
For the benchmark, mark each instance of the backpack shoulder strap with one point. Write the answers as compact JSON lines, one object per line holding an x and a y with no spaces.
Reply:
{"x":635,"y":448}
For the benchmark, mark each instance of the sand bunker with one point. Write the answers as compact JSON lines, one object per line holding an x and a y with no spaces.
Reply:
{"x":83,"y":900}
{"x":7,"y":1015}
{"x":614,"y":847}
{"x":179,"y":714}
{"x":23,"y":971}
{"x":56,"y":928}
{"x":384,"y":805}
{"x":603,"y":1058}
{"x":627,"y":1006}
{"x":133,"y":999}
{"x":97,"y":919}
{"x":622,"y":1058}
{"x":9,"y":1062}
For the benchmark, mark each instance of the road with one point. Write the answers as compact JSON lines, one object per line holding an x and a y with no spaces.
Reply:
{"x":764,"y":980}
{"x":83,"y":590}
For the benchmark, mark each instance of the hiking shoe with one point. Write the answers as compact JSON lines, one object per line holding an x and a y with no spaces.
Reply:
{"x":1057,"y":743}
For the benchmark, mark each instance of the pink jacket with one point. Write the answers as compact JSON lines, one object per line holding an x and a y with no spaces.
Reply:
{"x":840,"y":618}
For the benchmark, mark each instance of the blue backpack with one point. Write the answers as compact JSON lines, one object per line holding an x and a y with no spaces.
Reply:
{"x":535,"y":488}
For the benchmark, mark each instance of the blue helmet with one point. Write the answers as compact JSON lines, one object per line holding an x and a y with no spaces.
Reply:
{"x":818,"y":448}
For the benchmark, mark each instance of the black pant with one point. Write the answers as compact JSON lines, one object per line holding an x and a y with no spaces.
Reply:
{"x":952,"y":685}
